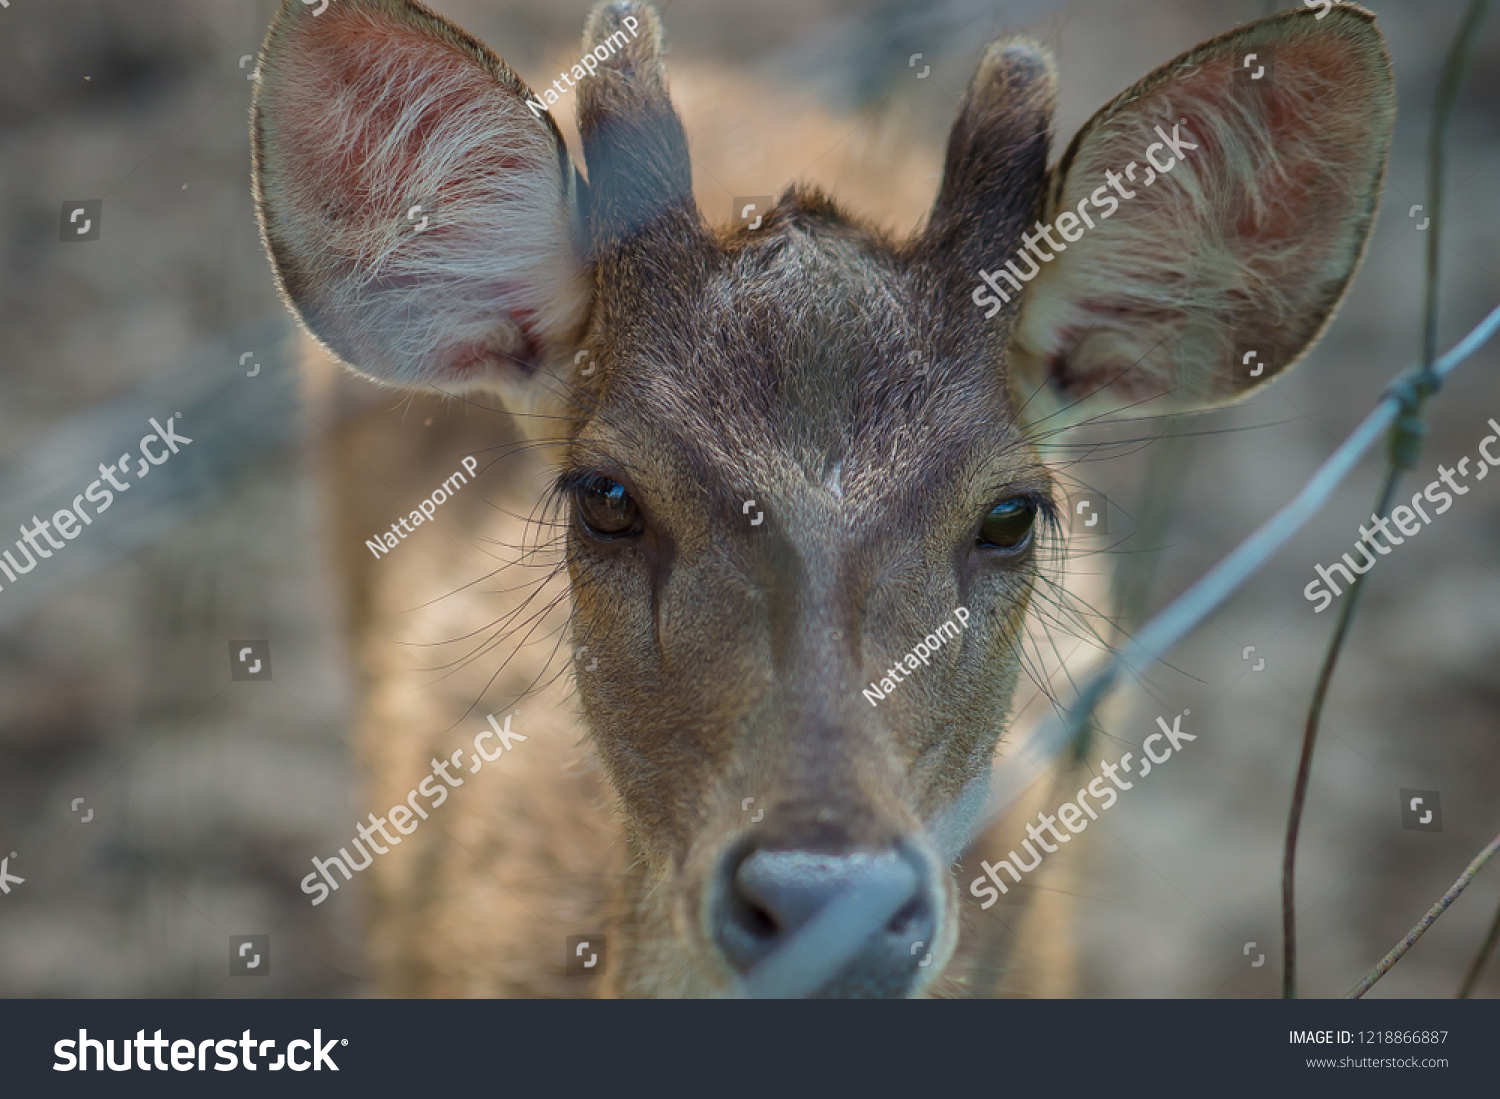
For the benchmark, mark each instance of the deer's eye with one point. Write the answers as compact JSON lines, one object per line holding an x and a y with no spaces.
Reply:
{"x":606,"y":509}
{"x":1008,"y":525}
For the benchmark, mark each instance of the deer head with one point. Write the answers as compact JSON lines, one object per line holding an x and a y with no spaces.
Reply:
{"x":801,"y":457}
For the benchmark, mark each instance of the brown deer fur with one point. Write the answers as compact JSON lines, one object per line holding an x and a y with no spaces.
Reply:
{"x":776,"y":365}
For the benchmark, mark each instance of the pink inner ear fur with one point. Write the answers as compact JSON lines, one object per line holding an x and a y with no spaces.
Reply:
{"x":339,"y":97}
{"x":368,"y":116}
{"x":1250,"y":235}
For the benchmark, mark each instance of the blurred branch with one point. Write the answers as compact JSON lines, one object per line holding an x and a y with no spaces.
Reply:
{"x":1427,"y":921}
{"x":1304,"y":763}
{"x":1477,"y":966}
{"x":1406,"y":439}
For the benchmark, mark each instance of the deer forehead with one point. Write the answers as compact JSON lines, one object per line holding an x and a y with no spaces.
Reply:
{"x":804,"y":362}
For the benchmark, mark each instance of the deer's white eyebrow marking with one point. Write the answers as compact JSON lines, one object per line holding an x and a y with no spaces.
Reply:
{"x":834,"y":481}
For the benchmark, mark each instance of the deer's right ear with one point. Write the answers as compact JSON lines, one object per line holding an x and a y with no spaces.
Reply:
{"x":372,"y":109}
{"x":1208,"y":221}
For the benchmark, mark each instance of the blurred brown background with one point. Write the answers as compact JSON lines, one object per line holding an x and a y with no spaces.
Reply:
{"x":209,"y":796}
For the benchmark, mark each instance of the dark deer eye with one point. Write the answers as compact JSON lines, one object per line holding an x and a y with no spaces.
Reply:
{"x":606,"y":509}
{"x":1008,"y":525}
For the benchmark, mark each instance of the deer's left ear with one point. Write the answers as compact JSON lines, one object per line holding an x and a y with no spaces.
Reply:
{"x":1207,"y":222}
{"x":420,"y":209}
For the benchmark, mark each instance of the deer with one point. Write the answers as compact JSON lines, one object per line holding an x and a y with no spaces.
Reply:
{"x":741,"y":472}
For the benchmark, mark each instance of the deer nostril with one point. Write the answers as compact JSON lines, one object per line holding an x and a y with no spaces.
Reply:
{"x":753,"y":919}
{"x":904,"y":921}
{"x":767,"y":895}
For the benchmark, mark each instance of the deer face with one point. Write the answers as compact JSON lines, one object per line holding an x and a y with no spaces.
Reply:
{"x":772,"y":506}
{"x":804,"y":501}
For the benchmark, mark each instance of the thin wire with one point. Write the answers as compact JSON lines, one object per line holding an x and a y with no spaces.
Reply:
{"x":1397,"y":951}
{"x":1406,"y":442}
{"x":1185,"y":613}
{"x":1477,"y":966}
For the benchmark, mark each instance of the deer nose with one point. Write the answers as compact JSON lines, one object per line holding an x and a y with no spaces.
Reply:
{"x":772,"y":893}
